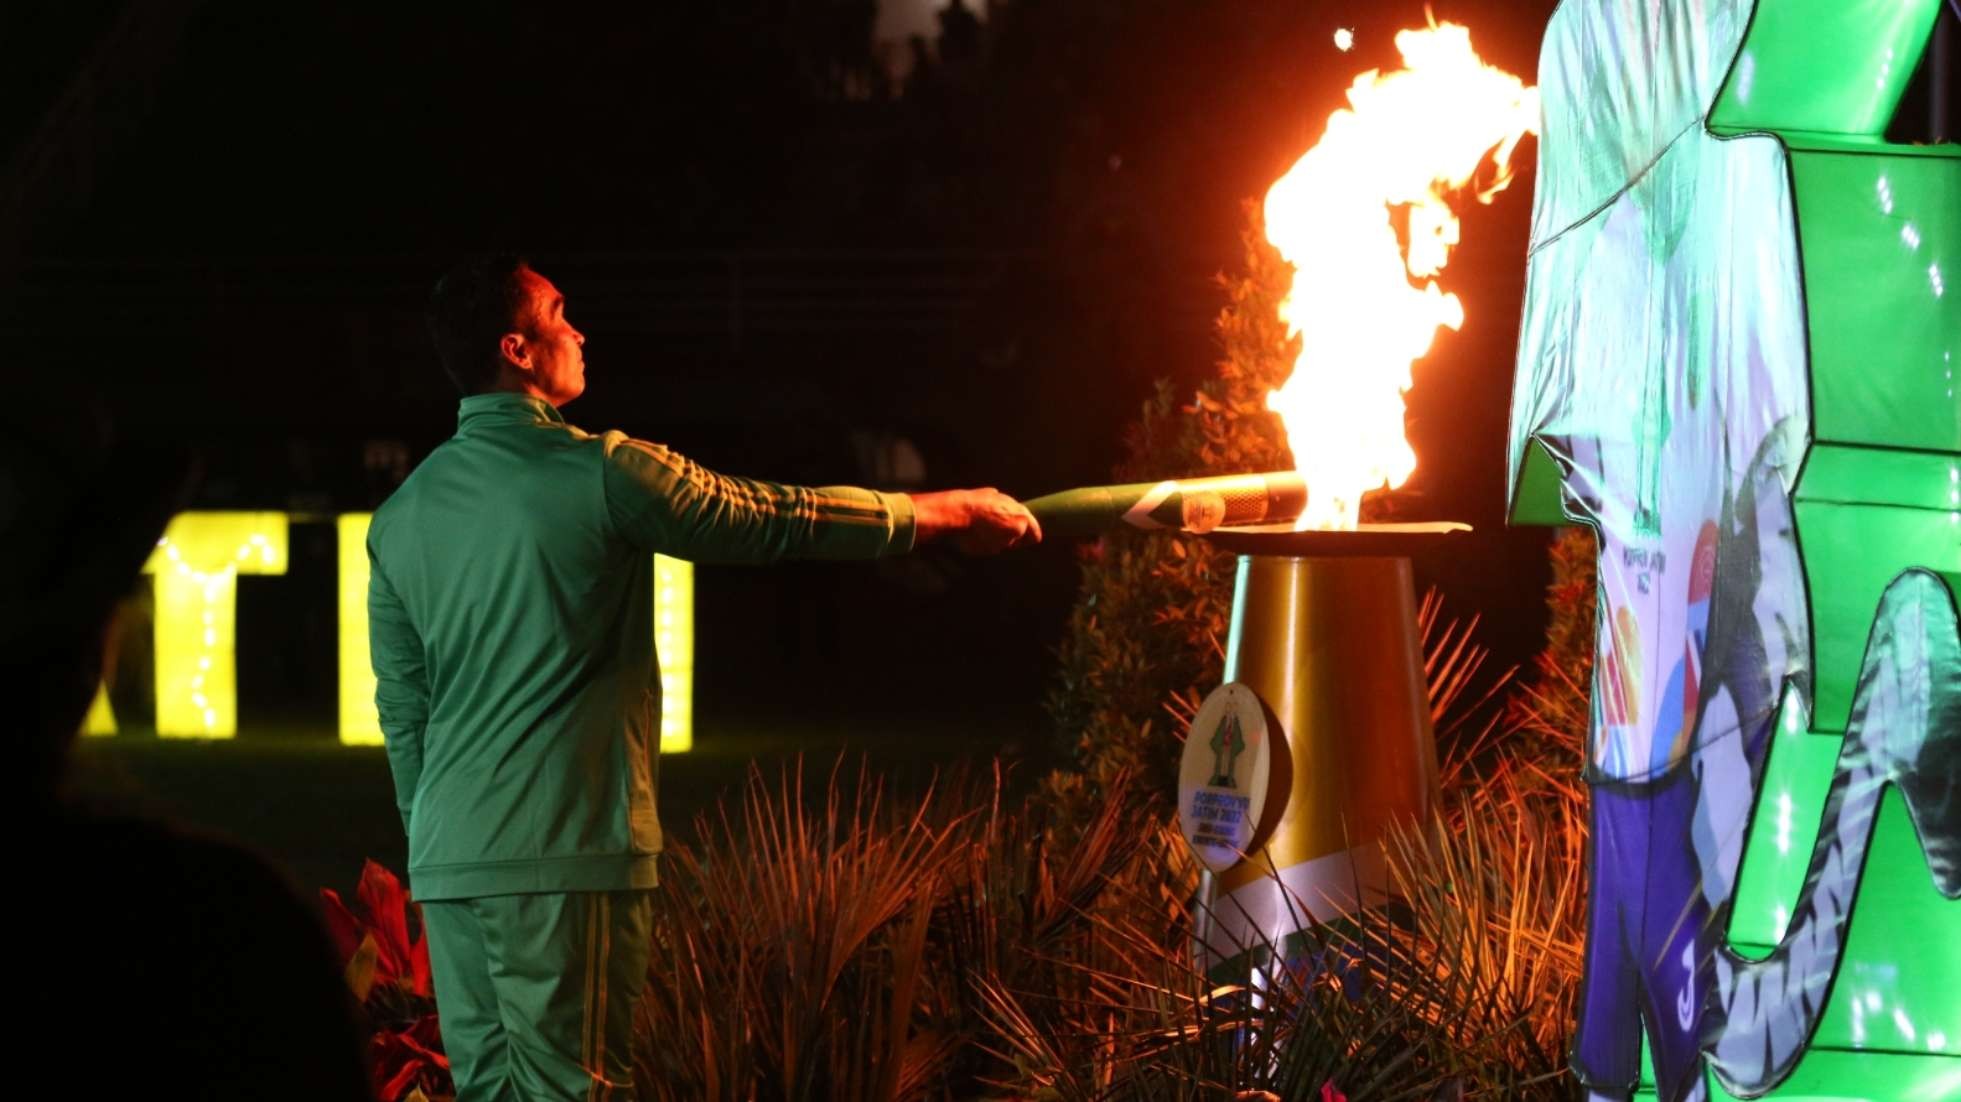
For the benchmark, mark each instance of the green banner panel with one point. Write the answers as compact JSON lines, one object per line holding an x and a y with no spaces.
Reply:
{"x":1876,"y":476}
{"x":1881,"y":241}
{"x":1851,"y":553}
{"x":1780,"y":81}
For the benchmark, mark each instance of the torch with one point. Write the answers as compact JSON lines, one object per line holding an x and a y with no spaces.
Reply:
{"x":1180,"y":504}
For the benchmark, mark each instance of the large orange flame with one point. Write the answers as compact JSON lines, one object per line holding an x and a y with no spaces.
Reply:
{"x":1364,"y":301}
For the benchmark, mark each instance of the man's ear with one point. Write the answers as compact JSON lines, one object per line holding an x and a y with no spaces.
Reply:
{"x":515,"y":351}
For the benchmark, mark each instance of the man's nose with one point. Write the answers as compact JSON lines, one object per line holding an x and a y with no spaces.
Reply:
{"x":580,"y":337}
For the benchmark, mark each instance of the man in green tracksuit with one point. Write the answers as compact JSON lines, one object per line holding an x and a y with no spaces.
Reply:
{"x":510,"y":612}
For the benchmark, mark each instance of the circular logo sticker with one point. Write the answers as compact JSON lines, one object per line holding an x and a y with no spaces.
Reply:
{"x":1224,"y":775}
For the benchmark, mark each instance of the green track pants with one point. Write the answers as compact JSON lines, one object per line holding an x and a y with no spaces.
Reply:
{"x":536,"y":992}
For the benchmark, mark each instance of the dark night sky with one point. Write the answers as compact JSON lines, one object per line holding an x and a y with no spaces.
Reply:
{"x":769,"y":256}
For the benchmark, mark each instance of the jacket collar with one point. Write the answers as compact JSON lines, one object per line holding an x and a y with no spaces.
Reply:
{"x":505,"y":408}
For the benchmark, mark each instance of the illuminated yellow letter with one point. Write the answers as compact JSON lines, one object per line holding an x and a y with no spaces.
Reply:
{"x":360,"y":724}
{"x":674,"y":645}
{"x":197,"y":564}
{"x":101,"y":718}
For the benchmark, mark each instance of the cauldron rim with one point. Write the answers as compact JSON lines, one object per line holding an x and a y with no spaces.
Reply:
{"x":1363,"y":541}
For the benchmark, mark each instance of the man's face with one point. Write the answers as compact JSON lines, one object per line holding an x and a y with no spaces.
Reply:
{"x":551,"y":352}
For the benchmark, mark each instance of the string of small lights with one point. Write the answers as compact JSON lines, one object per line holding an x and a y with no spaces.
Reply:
{"x":196,"y":565}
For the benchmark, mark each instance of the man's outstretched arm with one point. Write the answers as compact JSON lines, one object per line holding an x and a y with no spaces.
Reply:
{"x":401,"y":685}
{"x":662,"y":501}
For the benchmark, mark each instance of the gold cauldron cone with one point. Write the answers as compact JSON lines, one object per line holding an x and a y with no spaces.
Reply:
{"x":1330,"y":645}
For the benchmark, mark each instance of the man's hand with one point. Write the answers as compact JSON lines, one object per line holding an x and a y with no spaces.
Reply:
{"x":980,"y":522}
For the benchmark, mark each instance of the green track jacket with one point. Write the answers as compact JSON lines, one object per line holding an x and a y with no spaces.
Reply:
{"x":510,"y":618}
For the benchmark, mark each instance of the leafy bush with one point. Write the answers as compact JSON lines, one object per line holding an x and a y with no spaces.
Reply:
{"x":789,"y":949}
{"x":852,"y":951}
{"x":966,"y":949}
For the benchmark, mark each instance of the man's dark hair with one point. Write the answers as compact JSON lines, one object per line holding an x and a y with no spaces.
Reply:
{"x":471,"y":309}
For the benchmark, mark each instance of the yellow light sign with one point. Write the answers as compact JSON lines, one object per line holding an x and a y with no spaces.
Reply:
{"x":360,"y":724}
{"x":674,"y":642}
{"x":101,"y":718}
{"x":196,"y":566}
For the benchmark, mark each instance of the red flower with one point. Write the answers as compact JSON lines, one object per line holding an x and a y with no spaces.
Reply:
{"x":1330,"y":1094}
{"x":398,"y":962}
{"x":409,"y":1059}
